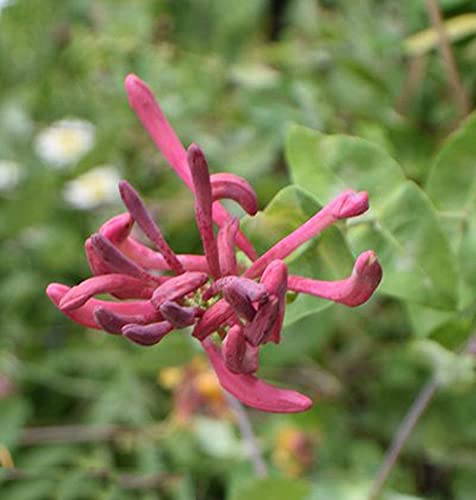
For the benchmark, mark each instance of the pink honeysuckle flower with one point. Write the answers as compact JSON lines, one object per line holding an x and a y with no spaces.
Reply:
{"x":158,"y":291}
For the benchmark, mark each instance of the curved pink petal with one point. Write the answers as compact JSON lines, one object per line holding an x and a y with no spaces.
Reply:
{"x":252,"y":391}
{"x":140,"y":214}
{"x":347,"y":204}
{"x":352,"y":291}
{"x":154,"y":121}
{"x":84,"y":315}
{"x":118,"y":228}
{"x":119,"y":284}
{"x":233,"y":187}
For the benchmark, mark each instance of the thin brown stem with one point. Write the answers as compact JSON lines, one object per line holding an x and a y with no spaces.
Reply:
{"x":125,"y":481}
{"x":406,"y":427}
{"x":454,"y":79}
{"x":248,"y":436}
{"x":414,"y":77}
{"x":69,"y":434}
{"x":404,"y":430}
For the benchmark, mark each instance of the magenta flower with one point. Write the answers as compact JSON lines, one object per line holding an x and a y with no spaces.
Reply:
{"x":159,"y":291}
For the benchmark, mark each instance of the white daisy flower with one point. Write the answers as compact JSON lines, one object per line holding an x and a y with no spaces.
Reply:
{"x":64,"y":142}
{"x":94,"y":188}
{"x":10,"y":174}
{"x":4,"y":3}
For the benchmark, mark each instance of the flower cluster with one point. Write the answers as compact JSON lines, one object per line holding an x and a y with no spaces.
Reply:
{"x":160,"y":291}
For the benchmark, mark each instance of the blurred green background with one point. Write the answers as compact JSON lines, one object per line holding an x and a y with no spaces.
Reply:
{"x":84,"y":415}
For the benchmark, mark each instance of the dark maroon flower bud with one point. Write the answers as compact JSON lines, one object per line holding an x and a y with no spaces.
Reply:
{"x":257,"y":332}
{"x":147,"y":335}
{"x":239,"y":356}
{"x":178,"y":315}
{"x":140,"y":214}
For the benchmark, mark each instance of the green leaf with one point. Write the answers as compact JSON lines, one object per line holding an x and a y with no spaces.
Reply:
{"x":224,"y":443}
{"x":271,"y":488}
{"x":13,"y":416}
{"x":452,"y":188}
{"x":401,"y":225}
{"x":345,"y":488}
{"x":425,"y":319}
{"x":326,"y":257}
{"x":450,"y":329}
{"x":450,"y":369}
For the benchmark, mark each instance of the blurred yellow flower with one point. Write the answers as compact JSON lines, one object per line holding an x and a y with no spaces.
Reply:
{"x":294,"y":451}
{"x":196,"y":390}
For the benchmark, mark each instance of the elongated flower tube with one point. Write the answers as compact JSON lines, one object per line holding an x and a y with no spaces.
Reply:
{"x":347,"y":204}
{"x":148,"y":111}
{"x":121,"y":285}
{"x":140,"y":214}
{"x":156,"y":291}
{"x":203,"y":206}
{"x":84,"y":315}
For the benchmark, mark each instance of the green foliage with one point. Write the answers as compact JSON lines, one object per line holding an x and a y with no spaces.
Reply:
{"x":233,"y":76}
{"x":272,"y":488}
{"x":401,"y":226}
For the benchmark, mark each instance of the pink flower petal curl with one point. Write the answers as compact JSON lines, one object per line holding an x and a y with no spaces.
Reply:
{"x":252,"y":391}
{"x":84,"y":315}
{"x":118,"y":228}
{"x":233,"y":187}
{"x":352,"y":291}
{"x":121,"y":285}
